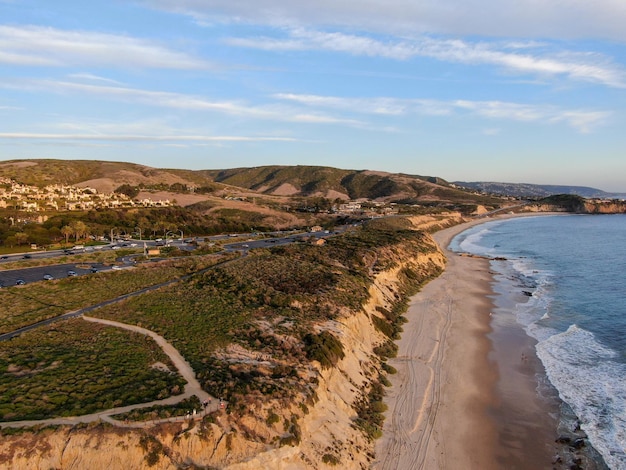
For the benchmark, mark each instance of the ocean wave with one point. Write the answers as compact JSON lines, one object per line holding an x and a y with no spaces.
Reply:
{"x":590,"y":379}
{"x":470,"y":242}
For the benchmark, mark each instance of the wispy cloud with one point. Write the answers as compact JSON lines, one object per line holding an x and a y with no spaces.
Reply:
{"x":183,"y":102}
{"x":566,"y":19}
{"x":92,"y":77}
{"x":142,"y":138}
{"x":582,"y":120}
{"x":42,"y":46}
{"x":585,"y":67}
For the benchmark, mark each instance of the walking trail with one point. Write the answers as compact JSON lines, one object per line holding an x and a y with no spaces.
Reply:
{"x":192,"y":388}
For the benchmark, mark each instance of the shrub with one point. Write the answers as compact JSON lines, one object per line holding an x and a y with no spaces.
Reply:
{"x":387,"y":349}
{"x":272,"y":418}
{"x":324,"y":348}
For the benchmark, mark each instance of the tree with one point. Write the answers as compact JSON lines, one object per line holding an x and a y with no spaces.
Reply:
{"x":66,"y":231}
{"x":130,"y":191}
{"x":79,"y":228}
{"x":21,"y":238}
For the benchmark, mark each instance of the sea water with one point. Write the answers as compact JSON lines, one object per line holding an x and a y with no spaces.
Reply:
{"x":572,"y":271}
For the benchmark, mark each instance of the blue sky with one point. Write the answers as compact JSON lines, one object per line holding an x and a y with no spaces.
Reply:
{"x":491,"y":90}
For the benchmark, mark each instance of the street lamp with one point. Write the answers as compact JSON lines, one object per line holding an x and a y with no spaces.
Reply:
{"x":172,"y":233}
{"x":139,"y":230}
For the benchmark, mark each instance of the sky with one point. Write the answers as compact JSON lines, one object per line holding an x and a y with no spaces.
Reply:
{"x":521,"y":91}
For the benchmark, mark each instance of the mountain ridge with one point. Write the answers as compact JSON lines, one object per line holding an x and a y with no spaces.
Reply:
{"x":536,"y":190}
{"x":270,"y":180}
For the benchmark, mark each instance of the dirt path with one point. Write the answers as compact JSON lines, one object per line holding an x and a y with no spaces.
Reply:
{"x":192,"y":388}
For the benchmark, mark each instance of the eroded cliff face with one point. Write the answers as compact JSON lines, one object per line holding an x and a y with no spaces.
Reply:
{"x":327,"y":436}
{"x":585,"y":207}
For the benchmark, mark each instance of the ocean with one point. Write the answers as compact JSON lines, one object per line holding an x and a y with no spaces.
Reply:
{"x":571,"y":270}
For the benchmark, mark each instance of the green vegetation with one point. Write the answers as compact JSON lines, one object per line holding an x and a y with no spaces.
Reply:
{"x":153,"y":449}
{"x":330,"y":459}
{"x":272,"y":418}
{"x":181,"y":408}
{"x":569,"y":202}
{"x":370,"y":411}
{"x":43,"y":300}
{"x":386,"y":350}
{"x":324,"y":348}
{"x":265,"y":305}
{"x":76,"y":368}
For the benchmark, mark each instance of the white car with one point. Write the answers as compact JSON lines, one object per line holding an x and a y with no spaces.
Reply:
{"x":47,"y":277}
{"x":116,"y":268}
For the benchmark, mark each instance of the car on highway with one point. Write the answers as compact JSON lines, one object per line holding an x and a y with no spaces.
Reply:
{"x":47,"y":277}
{"x":94,"y":269}
{"x":20,"y":282}
{"x":116,"y":268}
{"x":71,"y":273}
{"x":27,"y":256}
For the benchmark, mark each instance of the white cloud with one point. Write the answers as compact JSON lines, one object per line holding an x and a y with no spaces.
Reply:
{"x":135,"y":137}
{"x":92,"y":77}
{"x":42,"y":46}
{"x":567,"y":19}
{"x":585,"y":67}
{"x":183,"y":102}
{"x":581,"y":120}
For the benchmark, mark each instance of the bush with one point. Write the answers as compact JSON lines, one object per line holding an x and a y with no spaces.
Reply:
{"x":324,"y":348}
{"x":272,"y":418}
{"x":387,"y":349}
{"x":330,"y":459}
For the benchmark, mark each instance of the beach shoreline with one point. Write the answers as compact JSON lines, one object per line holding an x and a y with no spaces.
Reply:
{"x":465,"y":395}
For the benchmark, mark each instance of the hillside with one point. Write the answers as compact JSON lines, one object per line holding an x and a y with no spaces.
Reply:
{"x":276,"y":181}
{"x":294,"y":338}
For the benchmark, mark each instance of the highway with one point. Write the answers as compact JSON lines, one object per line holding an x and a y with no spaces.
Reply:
{"x":58,"y":271}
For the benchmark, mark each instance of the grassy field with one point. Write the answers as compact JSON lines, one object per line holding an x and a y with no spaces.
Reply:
{"x":77,"y":367}
{"x":26,"y":305}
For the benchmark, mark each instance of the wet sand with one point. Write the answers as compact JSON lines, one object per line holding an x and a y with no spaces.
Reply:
{"x":464,"y":397}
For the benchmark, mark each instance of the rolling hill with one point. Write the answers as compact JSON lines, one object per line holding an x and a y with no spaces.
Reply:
{"x":271,"y":181}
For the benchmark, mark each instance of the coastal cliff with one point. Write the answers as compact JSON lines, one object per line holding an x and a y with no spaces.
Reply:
{"x":578,"y":205}
{"x":330,"y":422}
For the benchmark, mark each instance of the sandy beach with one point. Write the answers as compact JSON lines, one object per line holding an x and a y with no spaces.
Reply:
{"x":464,"y":397}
